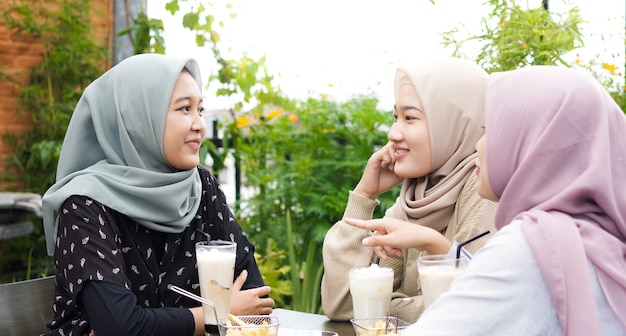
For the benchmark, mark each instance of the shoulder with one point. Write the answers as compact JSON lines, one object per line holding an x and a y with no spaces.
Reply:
{"x":470,"y":202}
{"x":208,"y":179}
{"x":84,"y":203}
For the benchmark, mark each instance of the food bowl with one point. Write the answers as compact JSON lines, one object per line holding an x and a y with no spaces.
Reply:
{"x":377,"y":326}
{"x":249,"y":325}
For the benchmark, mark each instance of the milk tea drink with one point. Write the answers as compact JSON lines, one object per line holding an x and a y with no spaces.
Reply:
{"x":216,"y":268}
{"x":436,"y":273}
{"x":371,"y":289}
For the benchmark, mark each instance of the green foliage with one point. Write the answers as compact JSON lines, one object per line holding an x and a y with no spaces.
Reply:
{"x":513,"y":37}
{"x":300,"y":165}
{"x":145,"y":34}
{"x":304,"y":162}
{"x":306,"y":275}
{"x":71,"y":60}
{"x":271,"y":263}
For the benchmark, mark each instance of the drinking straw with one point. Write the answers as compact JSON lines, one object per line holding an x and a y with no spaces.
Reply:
{"x":460,"y":246}
{"x":194,"y":297}
{"x":208,"y":236}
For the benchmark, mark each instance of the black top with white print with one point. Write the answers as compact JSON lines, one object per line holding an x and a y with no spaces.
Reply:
{"x":97,"y":243}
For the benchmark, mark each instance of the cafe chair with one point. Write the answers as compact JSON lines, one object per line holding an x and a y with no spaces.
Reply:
{"x":26,"y":306}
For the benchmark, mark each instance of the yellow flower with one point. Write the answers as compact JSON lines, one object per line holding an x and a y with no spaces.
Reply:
{"x":275,"y":113}
{"x":243,"y":121}
{"x":611,"y":68}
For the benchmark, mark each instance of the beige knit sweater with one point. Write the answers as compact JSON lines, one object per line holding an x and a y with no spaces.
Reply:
{"x":343,"y":250}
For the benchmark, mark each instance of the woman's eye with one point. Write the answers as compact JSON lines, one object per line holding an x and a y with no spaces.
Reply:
{"x":201,"y":111}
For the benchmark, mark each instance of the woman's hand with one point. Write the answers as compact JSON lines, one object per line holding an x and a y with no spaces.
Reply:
{"x":378,"y":176}
{"x":392,"y":235}
{"x":250,"y":301}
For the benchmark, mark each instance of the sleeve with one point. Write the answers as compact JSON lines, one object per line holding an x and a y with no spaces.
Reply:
{"x":472,"y":216}
{"x":86,"y":247}
{"x":503,"y":279}
{"x":342,"y":250}
{"x":113,"y":310}
{"x":223,"y":225}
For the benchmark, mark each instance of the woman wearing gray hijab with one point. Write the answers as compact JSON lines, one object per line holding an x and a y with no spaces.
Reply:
{"x":131,"y":201}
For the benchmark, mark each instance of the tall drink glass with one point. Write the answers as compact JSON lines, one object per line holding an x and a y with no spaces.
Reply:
{"x":436,"y":273}
{"x":371,"y":289}
{"x":216,"y":268}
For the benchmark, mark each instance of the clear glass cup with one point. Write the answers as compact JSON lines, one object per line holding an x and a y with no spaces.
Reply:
{"x":216,"y":269}
{"x":371,"y":288}
{"x":436,"y":273}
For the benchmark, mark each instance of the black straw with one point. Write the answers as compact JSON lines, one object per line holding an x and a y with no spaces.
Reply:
{"x":460,"y":246}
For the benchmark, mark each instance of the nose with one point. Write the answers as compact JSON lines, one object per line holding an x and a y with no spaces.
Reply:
{"x":395,"y":133}
{"x":199,"y":125}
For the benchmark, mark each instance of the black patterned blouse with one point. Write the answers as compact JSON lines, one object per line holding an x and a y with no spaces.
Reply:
{"x":97,"y":243}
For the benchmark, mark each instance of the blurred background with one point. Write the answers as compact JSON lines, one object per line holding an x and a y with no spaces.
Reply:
{"x":298,"y":93}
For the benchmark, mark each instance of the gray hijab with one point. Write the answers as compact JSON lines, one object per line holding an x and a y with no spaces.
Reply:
{"x":113,"y":148}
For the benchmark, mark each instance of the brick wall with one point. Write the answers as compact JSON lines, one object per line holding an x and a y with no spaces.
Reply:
{"x":19,"y":53}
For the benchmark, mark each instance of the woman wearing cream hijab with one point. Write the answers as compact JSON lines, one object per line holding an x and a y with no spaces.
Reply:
{"x":438,"y":119}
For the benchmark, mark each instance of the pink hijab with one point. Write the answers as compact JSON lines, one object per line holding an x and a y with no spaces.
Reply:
{"x":556,"y":158}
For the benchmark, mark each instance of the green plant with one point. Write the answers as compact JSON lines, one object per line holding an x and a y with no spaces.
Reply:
{"x":275,"y":272}
{"x":71,"y":60}
{"x":299,"y":165}
{"x":512,"y":37}
{"x":306,"y":274}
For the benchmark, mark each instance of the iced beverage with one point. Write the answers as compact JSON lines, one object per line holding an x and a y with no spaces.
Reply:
{"x":216,"y":268}
{"x":371,"y":289}
{"x":436,"y":273}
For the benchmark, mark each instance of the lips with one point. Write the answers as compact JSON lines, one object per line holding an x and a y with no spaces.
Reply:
{"x":194,"y":143}
{"x":399,"y":153}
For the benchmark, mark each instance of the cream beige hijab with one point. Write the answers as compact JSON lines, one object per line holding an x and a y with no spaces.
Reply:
{"x":452,"y":92}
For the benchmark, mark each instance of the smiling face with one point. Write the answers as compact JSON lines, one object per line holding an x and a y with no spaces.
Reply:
{"x":484,"y":188}
{"x":184,"y":128}
{"x":409,"y":134}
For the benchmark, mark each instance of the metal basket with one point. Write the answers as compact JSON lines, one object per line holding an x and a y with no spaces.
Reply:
{"x":255,"y":325}
{"x":377,"y":326}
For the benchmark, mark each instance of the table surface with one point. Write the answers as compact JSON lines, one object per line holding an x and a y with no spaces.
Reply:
{"x":291,"y":319}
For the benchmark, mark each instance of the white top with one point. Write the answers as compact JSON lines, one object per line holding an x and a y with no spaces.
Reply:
{"x":502,"y":292}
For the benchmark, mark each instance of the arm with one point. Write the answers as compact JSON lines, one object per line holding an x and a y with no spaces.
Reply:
{"x":341,"y":251}
{"x":501,"y":282}
{"x":249,"y":293}
{"x":91,"y":273}
{"x":473,"y":215}
{"x":113,"y":310}
{"x":342,"y":247}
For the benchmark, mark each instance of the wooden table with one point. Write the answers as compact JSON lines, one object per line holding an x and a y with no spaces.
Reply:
{"x":291,"y":319}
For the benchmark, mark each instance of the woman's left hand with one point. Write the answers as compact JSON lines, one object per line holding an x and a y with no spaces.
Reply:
{"x":250,"y":301}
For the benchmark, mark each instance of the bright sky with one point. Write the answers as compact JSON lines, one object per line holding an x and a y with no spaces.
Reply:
{"x":349,"y":47}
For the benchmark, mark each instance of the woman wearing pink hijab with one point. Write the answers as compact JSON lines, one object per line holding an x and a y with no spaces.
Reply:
{"x":554,"y":156}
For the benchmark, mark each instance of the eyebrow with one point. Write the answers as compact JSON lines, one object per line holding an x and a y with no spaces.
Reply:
{"x":180,"y":99}
{"x":405,"y":108}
